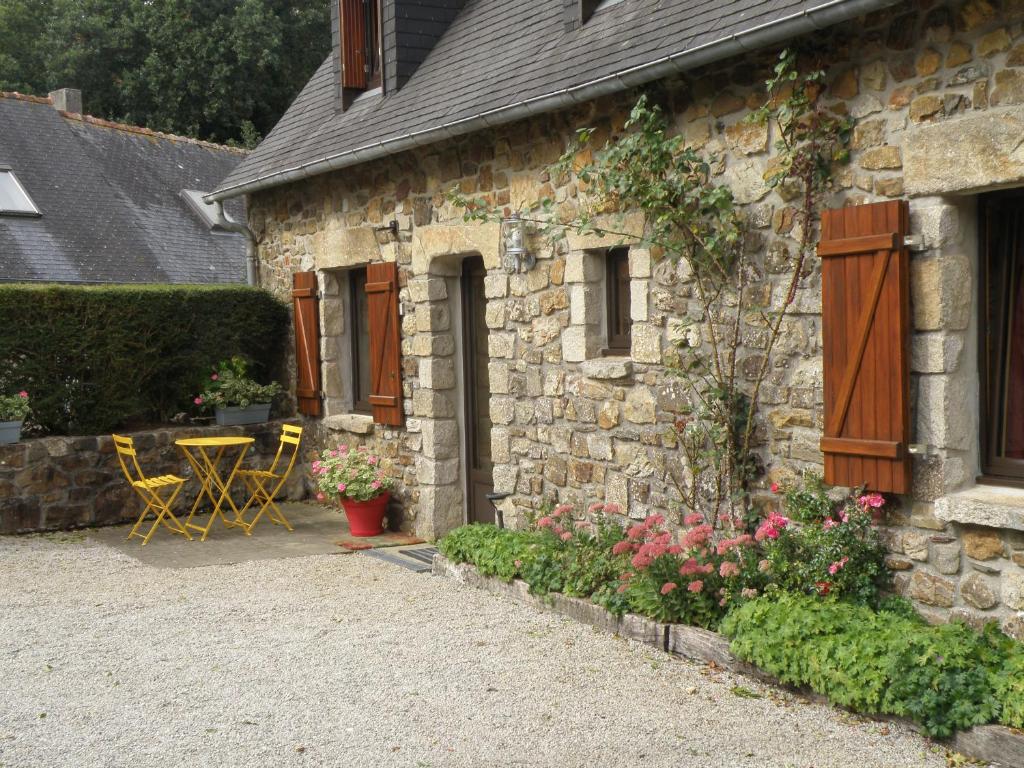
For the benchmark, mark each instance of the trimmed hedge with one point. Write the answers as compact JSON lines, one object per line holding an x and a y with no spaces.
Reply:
{"x":95,"y":359}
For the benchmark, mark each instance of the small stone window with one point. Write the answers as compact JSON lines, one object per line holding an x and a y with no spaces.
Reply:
{"x":617,"y":302}
{"x":1002,"y":335}
{"x":359,"y":337}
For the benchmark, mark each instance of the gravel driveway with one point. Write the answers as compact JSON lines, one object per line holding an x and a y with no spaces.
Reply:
{"x":342,"y":660}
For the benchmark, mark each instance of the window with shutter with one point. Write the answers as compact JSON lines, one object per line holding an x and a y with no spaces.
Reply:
{"x":307,"y":342}
{"x":385,"y":343}
{"x":360,"y":44}
{"x":865,"y":325}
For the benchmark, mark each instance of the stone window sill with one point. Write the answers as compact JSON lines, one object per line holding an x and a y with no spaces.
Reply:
{"x":992,"y":506}
{"x":356,"y":423}
{"x":607,"y":368}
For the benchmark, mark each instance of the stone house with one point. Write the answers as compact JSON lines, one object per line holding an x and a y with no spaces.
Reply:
{"x":551,"y":383}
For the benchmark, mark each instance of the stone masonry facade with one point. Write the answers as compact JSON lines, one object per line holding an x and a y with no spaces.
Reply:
{"x":937,"y":93}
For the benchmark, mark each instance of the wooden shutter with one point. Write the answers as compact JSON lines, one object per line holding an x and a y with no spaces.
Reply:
{"x":385,"y":343}
{"x":307,"y":342}
{"x":353,"y":44}
{"x":865,"y":325}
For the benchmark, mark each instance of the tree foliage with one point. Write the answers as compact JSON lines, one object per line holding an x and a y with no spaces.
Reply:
{"x":223,"y":70}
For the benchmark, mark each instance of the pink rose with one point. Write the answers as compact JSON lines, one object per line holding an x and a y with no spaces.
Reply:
{"x":198,"y":401}
{"x":775,"y":487}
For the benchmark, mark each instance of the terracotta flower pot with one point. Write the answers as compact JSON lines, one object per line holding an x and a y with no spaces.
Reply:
{"x":366,"y":518}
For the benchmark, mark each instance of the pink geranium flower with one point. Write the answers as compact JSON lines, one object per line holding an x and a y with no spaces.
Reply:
{"x":341,"y":487}
{"x":874,"y":500}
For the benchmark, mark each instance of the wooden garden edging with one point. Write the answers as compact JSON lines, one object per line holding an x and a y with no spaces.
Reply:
{"x":989,"y":743}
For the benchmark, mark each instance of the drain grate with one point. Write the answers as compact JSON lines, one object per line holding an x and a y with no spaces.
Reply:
{"x":418,"y":559}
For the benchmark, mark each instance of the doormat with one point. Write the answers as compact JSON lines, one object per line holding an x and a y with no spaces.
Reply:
{"x":417,"y":559}
{"x":386,"y":539}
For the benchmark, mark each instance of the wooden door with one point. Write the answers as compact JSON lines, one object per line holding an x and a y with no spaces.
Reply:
{"x":478,"y":468}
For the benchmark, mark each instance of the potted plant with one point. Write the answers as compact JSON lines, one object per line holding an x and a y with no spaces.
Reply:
{"x":13,"y":410}
{"x":236,"y":398}
{"x":359,"y":480}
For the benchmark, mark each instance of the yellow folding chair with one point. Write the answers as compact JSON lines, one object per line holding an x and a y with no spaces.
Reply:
{"x":152,"y":490}
{"x":258,"y":480}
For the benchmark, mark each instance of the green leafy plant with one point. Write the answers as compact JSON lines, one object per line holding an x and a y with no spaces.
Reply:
{"x":837,"y":553}
{"x":14,"y":407}
{"x":807,"y":500}
{"x":873,"y":662}
{"x":1008,"y":684}
{"x":230,"y":385}
{"x":356,"y":474}
{"x":494,"y":551}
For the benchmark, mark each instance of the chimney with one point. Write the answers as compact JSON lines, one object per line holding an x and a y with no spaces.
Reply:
{"x":67,"y":100}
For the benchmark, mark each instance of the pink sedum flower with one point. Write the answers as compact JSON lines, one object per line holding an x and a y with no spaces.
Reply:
{"x":565,"y":536}
{"x":612,"y":509}
{"x":695,"y":586}
{"x":622,"y":547}
{"x":728,"y":569}
{"x":545,"y":522}
{"x":695,"y":518}
{"x":667,"y":587}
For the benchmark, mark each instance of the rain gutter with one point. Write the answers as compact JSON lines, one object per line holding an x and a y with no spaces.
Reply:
{"x":770,"y":33}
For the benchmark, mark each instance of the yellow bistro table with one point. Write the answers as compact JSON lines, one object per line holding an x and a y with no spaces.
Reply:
{"x":205,"y":455}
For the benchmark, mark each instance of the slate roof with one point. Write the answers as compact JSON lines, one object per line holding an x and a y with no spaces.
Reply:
{"x":501,"y":53}
{"x":109,"y":198}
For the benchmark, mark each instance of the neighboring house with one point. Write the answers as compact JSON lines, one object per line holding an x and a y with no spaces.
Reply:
{"x":84,"y":200}
{"x":551,"y":384}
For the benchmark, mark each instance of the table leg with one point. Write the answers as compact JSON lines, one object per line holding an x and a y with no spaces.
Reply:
{"x":203,"y":477}
{"x":225,"y":489}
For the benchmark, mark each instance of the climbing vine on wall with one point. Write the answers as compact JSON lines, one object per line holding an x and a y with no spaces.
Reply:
{"x":697,"y":223}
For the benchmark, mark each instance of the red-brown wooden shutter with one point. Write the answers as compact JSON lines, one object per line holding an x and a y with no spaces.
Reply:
{"x":385,"y":343}
{"x":353,"y":44}
{"x":307,"y":342}
{"x":865,"y":326}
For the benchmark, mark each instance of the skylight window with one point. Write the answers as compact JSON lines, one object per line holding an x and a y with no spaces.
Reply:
{"x":14,"y":200}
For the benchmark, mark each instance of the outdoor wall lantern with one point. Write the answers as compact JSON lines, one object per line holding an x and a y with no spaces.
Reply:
{"x":515,"y":256}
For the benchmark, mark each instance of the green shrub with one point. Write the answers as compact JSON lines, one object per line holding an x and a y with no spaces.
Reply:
{"x":873,"y":662}
{"x":94,"y":359}
{"x":836,"y":552}
{"x":494,"y":551}
{"x":1008,"y":683}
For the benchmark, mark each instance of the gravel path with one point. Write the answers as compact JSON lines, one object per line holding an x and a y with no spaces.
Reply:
{"x":342,"y":660}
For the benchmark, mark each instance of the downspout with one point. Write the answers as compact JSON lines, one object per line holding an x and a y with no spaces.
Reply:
{"x":252,"y":267}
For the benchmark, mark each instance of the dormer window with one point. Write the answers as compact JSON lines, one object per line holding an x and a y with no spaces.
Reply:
{"x":14,"y":199}
{"x":361,"y":54}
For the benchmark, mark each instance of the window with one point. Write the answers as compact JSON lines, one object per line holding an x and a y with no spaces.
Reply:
{"x":359,"y":335}
{"x":1002,"y":334}
{"x":14,"y":200}
{"x":361,"y":54}
{"x":617,"y":302}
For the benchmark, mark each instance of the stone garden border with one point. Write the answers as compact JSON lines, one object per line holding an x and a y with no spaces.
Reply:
{"x":989,"y":743}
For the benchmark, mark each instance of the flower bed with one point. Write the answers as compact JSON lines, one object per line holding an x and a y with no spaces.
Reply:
{"x":805,"y":602}
{"x":985,"y":743}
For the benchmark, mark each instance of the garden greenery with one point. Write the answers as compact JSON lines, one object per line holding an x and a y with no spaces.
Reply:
{"x":802,"y":601}
{"x":355,"y":474}
{"x":230,"y":385}
{"x":945,"y":678}
{"x":14,"y":407}
{"x":101,"y":358}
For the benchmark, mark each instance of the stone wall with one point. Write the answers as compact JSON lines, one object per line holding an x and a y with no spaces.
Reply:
{"x":58,"y":483}
{"x":937,"y":95}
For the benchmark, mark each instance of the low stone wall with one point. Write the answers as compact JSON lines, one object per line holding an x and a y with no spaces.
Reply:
{"x":59,"y":483}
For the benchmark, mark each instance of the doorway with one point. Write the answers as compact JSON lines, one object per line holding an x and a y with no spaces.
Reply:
{"x":477,"y":464}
